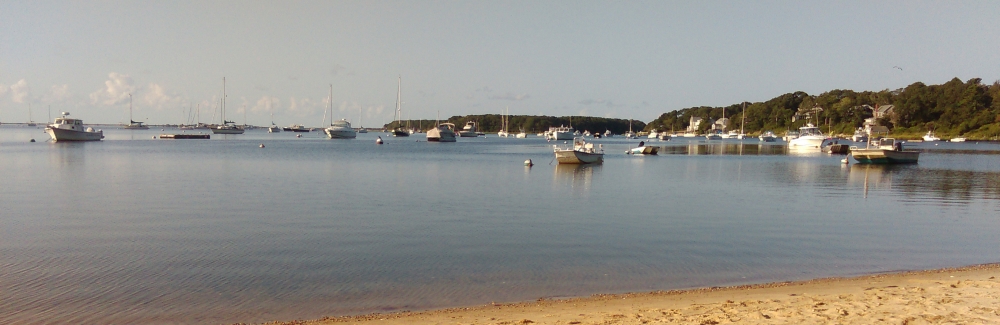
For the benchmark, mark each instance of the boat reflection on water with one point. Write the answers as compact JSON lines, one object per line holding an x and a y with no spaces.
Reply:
{"x":716,"y":148}
{"x":943,"y":186}
{"x":577,"y":176}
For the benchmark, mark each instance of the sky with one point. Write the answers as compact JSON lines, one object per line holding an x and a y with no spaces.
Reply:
{"x":618,"y":59}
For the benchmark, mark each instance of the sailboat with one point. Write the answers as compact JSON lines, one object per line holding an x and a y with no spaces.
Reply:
{"x":361,"y":129}
{"x":629,"y":134}
{"x":30,"y":121}
{"x":399,"y":131}
{"x":227,"y":127}
{"x":743,"y":122}
{"x":339,"y":129}
{"x":503,"y":127}
{"x":133,"y":125}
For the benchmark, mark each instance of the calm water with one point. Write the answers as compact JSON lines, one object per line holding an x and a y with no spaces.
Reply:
{"x":137,"y":230}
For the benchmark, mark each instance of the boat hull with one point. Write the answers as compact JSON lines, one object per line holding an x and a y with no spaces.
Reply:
{"x":562,"y":136}
{"x":646,"y":150}
{"x":440,"y":134}
{"x":807,"y":141}
{"x":58,"y":134}
{"x":468,"y":134}
{"x":341,"y":134}
{"x":228,"y":131}
{"x":884,"y":156}
{"x":578,"y":157}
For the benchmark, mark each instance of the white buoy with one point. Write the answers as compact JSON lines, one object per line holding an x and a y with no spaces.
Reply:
{"x":844,"y":161}
{"x":261,"y":145}
{"x":298,"y":135}
{"x":528,"y":163}
{"x":154,"y":137}
{"x":378,"y":141}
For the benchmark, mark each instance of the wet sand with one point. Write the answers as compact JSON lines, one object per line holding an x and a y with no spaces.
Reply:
{"x":966,"y":295}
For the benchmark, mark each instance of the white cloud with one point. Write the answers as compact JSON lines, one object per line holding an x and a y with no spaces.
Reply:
{"x":20,"y":92}
{"x":156,"y":97}
{"x":115,"y":91}
{"x":301,"y":107}
{"x":266,"y":104}
{"x":57,"y":93}
{"x":511,"y":96}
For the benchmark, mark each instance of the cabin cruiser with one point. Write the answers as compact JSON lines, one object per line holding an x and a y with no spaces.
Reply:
{"x":930,"y":137}
{"x":71,"y":129}
{"x":468,"y":131}
{"x":444,"y":132}
{"x":809,"y":136}
{"x":860,"y":135}
{"x":341,"y":130}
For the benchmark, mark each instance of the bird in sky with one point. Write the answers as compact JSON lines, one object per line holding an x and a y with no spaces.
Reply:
{"x":897,"y":67}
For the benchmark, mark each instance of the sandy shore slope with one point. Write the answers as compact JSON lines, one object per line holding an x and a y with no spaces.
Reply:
{"x":968,"y":295}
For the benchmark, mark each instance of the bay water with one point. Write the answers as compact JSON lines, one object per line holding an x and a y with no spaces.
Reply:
{"x":134,"y":229}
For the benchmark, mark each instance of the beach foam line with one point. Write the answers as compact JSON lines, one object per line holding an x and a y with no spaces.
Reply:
{"x":968,"y":294}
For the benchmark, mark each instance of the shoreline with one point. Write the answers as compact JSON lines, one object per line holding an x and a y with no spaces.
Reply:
{"x":957,"y":294}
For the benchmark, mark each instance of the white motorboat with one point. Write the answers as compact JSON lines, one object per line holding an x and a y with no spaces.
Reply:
{"x":767,"y":136}
{"x":643,"y":149}
{"x":341,"y":130}
{"x":468,"y":131}
{"x":888,"y":151}
{"x":859,"y":135}
{"x":809,"y":137}
{"x":607,"y":133}
{"x":581,"y":153}
{"x":521,"y":135}
{"x":653,"y":134}
{"x":444,"y":132}
{"x":560,"y":133}
{"x":957,"y":139}
{"x":227,"y":127}
{"x":930,"y":137}
{"x":663,"y":136}
{"x":71,"y":129}
{"x":274,"y":128}
{"x":713,"y":136}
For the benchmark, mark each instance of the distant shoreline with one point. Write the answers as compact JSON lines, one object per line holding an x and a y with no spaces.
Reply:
{"x":890,"y":296}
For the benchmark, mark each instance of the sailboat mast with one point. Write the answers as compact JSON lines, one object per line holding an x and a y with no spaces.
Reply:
{"x":743,"y":122}
{"x":129,"y":108}
{"x":223,"y":101}
{"x":331,"y":104}
{"x":399,"y":114}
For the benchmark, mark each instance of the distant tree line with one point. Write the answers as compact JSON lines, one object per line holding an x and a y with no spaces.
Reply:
{"x":969,"y":109}
{"x":492,"y":123}
{"x":954,"y":108}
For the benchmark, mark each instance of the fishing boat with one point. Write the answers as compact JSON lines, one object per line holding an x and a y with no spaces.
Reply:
{"x":560,"y":133}
{"x":809,"y":137}
{"x":713,"y":136}
{"x":888,"y":151}
{"x":581,"y":153}
{"x":930,"y":137}
{"x":70,"y":129}
{"x":399,"y":131}
{"x":959,"y":139}
{"x":227,"y":127}
{"x":444,"y":132}
{"x":133,"y":125}
{"x":274,"y":127}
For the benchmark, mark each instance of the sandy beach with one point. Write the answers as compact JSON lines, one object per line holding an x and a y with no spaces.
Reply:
{"x":966,"y":295}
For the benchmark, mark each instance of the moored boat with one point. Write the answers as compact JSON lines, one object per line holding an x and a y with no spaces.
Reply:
{"x":341,"y":130}
{"x":888,"y":151}
{"x":643,"y":149}
{"x":930,"y":137}
{"x":581,"y":153}
{"x":444,"y":132}
{"x":957,"y":139}
{"x":560,"y":133}
{"x":767,"y":136}
{"x":809,"y":136}
{"x":71,"y":129}
{"x":469,"y":130}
